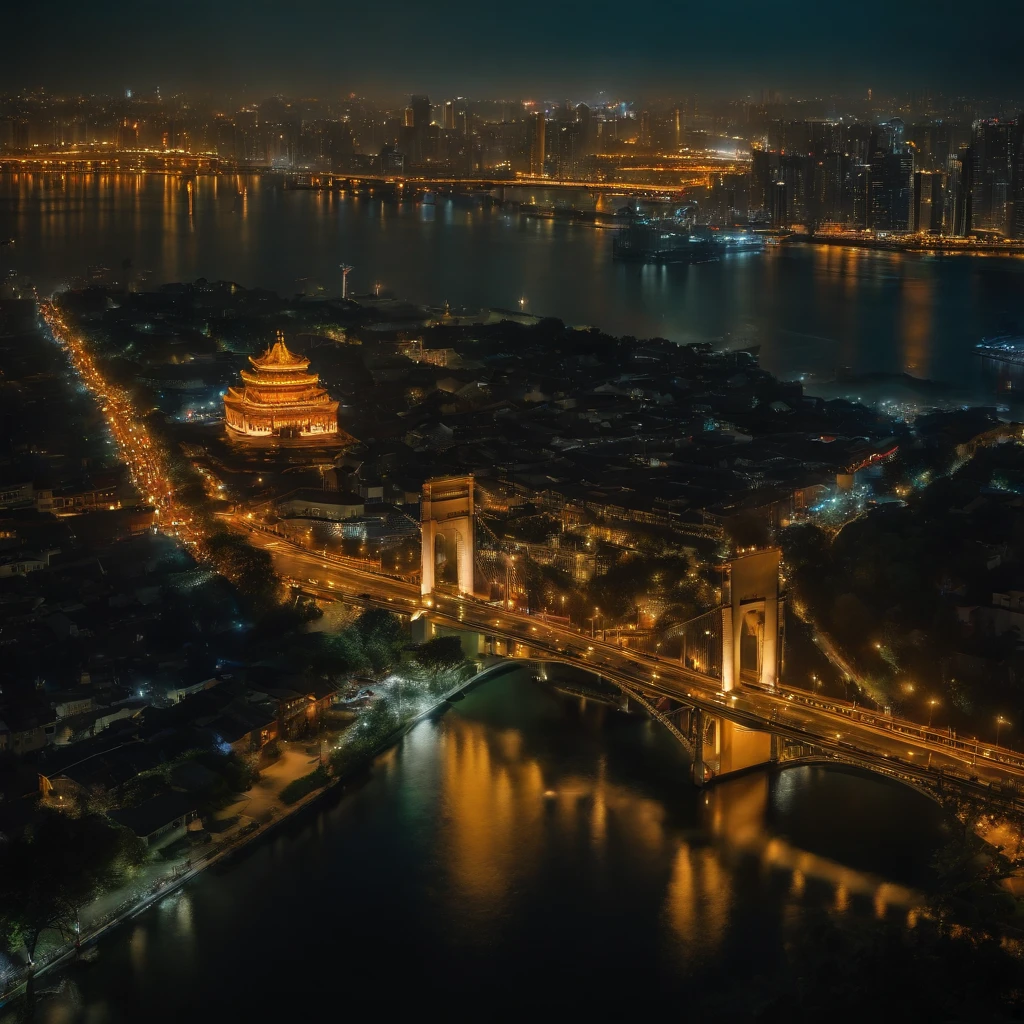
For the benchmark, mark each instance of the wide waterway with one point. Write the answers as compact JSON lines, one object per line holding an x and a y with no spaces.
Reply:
{"x":813,"y":309}
{"x":525,"y":848}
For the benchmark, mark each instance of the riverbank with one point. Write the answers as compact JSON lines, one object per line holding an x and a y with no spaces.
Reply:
{"x":240,"y":839}
{"x":461,"y":839}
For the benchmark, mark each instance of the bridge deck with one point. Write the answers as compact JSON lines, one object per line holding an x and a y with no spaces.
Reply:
{"x":854,"y":735}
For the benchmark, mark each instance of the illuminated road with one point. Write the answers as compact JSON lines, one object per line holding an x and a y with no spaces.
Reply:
{"x":882,"y":742}
{"x":889,"y":745}
{"x":146,"y":461}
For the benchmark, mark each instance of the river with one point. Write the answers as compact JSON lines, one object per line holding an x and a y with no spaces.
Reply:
{"x":812,"y":309}
{"x":524,"y":847}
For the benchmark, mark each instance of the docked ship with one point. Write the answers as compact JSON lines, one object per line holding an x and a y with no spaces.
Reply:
{"x":1008,"y":348}
{"x":665,"y":242}
{"x":651,"y":243}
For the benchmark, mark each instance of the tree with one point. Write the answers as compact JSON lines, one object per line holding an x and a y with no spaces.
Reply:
{"x":440,"y":654}
{"x":58,"y":867}
{"x":382,"y":639}
{"x":249,"y":568}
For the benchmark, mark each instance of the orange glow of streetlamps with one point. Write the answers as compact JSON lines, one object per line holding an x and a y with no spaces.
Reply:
{"x":1000,"y":722}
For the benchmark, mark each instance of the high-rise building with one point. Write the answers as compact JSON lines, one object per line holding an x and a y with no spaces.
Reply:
{"x":778,"y":204}
{"x":828,"y":194}
{"x":420,"y":106}
{"x":891,"y":190}
{"x":563,"y":148}
{"x":764,"y":167}
{"x":957,"y":220}
{"x":645,"y":129}
{"x":992,"y":175}
{"x":728,"y":200}
{"x":891,"y":135}
{"x":448,"y":122}
{"x":797,"y":171}
{"x":586,"y":122}
{"x":928,"y":202}
{"x":1017,"y":226}
{"x":537,"y":141}
{"x":460,"y":115}
{"x":860,"y":180}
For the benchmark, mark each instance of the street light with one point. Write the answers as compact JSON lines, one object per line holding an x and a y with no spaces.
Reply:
{"x":1000,"y":722}
{"x":931,"y":709}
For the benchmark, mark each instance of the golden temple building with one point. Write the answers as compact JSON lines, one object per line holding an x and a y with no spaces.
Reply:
{"x":280,"y":399}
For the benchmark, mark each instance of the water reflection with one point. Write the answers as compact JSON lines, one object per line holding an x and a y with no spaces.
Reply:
{"x":737,"y":813}
{"x":811,"y":309}
{"x":916,"y":324}
{"x":524,"y":842}
{"x":509,"y":810}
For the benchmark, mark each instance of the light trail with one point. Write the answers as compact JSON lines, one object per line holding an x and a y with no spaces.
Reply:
{"x":146,"y":459}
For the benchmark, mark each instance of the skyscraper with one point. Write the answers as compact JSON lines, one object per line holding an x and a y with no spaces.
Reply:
{"x":564,"y":149}
{"x":992,"y":175}
{"x":460,"y":115}
{"x":645,"y":129}
{"x":928,"y":202}
{"x":586,"y":123}
{"x":420,"y":106}
{"x":778,"y":204}
{"x":1017,"y":226}
{"x":957,"y":221}
{"x":537,"y":140}
{"x":891,"y":190}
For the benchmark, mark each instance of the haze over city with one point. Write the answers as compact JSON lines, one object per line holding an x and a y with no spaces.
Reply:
{"x":491,"y":51}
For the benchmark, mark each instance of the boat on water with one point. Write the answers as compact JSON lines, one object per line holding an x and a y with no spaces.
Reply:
{"x":1006,"y":347}
{"x":658,"y":242}
{"x":652,"y":243}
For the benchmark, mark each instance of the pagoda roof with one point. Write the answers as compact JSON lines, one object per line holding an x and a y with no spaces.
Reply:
{"x":279,"y":357}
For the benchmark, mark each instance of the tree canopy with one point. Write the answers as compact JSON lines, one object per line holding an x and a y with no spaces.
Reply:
{"x":56,"y":868}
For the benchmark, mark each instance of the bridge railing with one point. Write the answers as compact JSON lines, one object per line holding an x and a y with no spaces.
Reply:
{"x":934,"y":781}
{"x":653,"y":711}
{"x":946,"y":738}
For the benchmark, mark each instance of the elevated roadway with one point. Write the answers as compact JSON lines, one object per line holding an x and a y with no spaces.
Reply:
{"x":930,"y":759}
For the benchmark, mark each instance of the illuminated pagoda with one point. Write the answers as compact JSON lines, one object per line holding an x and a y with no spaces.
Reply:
{"x":281,"y":398}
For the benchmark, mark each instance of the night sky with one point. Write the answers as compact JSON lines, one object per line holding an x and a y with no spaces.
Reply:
{"x":522,"y":49}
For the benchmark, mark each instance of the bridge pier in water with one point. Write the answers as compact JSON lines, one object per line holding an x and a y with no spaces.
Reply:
{"x":722,"y":747}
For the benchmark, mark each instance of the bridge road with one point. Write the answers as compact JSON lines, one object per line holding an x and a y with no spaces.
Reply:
{"x":804,"y":717}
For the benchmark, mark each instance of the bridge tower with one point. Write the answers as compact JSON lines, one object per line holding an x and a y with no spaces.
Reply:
{"x":752,"y":620}
{"x":448,"y":538}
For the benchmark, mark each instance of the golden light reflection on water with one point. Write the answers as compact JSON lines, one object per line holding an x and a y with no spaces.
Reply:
{"x":495,"y":805}
{"x":137,"y":948}
{"x":736,"y":815}
{"x":698,"y":899}
{"x":505,"y":808}
{"x":916,"y":314}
